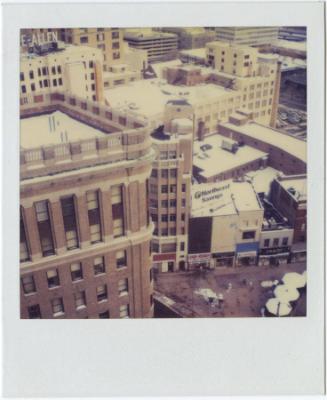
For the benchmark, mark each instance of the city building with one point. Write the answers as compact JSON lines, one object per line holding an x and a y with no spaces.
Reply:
{"x":294,"y":33}
{"x":85,"y":229}
{"x":159,"y":45}
{"x":170,"y":187}
{"x":286,"y":153}
{"x":120,"y":74}
{"x":247,"y":35}
{"x":191,"y":38}
{"x":225,"y":225}
{"x":76,"y":70}
{"x":108,"y":40}
{"x":289,"y":196}
{"x":234,"y":160}
{"x":193,"y":56}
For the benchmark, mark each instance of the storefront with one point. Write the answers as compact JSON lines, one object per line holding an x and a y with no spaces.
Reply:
{"x":274,"y":256}
{"x":164,"y":262}
{"x":223,"y":259}
{"x":246,"y":254}
{"x":199,"y":261}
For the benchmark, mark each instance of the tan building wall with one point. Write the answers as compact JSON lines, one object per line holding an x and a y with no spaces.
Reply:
{"x":90,"y":259}
{"x":108,"y":40}
{"x":76,"y":70}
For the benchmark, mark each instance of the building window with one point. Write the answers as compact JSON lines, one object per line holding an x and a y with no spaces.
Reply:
{"x":60,"y":81}
{"x":123,"y":287}
{"x":164,"y":188}
{"x":173,"y":188}
{"x":182,"y":246}
{"x":54,"y":82}
{"x":84,"y":39}
{"x":34,"y":311}
{"x":44,"y":228}
{"x":248,"y":235}
{"x":172,"y":154}
{"x":104,"y":314}
{"x":68,"y":213}
{"x":46,"y":83}
{"x":92,"y":199}
{"x":28,"y":284}
{"x":23,"y":89}
{"x":115,"y":35}
{"x":53,"y":70}
{"x":164,"y":173}
{"x":164,"y":218}
{"x":53,"y":278}
{"x":31,"y":74}
{"x":102,"y":294}
{"x":117,"y":210}
{"x":183,"y":217}
{"x":91,"y":64}
{"x":22,"y":76}
{"x":154,"y":173}
{"x":121,"y":260}
{"x":151,"y":274}
{"x":59,"y":69}
{"x":183,"y":202}
{"x":266,"y":243}
{"x":33,"y":87}
{"x":172,"y":217}
{"x":115,"y":45}
{"x":285,"y":241}
{"x":44,"y":71}
{"x":80,"y":300}
{"x":116,"y":55}
{"x":57,"y":307}
{"x":154,"y":217}
{"x":76,"y":271}
{"x":183,"y":187}
{"x":99,"y":266}
{"x":124,"y":311}
{"x":172,"y":231}
{"x":173,"y":173}
{"x":276,"y":242}
{"x":41,"y":84}
{"x":172,"y":203}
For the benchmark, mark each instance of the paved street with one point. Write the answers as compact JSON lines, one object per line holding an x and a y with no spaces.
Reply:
{"x":240,"y":288}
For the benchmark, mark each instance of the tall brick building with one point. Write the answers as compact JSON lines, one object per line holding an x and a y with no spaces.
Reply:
{"x":85,"y":230}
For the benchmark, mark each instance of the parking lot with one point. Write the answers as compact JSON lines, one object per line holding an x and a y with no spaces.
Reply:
{"x":241,"y":290}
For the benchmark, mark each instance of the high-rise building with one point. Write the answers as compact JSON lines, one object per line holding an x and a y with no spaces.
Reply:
{"x":159,"y":45}
{"x":247,"y":35}
{"x":191,"y":38}
{"x":70,"y":69}
{"x":85,"y":229}
{"x":294,"y":33}
{"x":170,"y":187}
{"x":109,"y":40}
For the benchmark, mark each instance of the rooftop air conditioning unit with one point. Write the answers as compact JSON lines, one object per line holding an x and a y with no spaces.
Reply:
{"x":229,"y":145}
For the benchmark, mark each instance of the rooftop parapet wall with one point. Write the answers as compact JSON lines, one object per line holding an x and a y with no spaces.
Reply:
{"x":116,"y":145}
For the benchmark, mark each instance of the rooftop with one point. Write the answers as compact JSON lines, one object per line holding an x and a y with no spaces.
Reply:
{"x":223,"y":198}
{"x":289,"y":44}
{"x":147,"y":34}
{"x":148,"y":97}
{"x":201,"y":52}
{"x":206,"y":154}
{"x":262,"y":179}
{"x":52,"y":129}
{"x":294,"y":146}
{"x":297,"y":187}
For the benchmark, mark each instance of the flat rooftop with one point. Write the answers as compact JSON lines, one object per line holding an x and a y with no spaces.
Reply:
{"x":289,"y":44}
{"x":292,"y":145}
{"x":212,"y":159}
{"x":262,"y":179}
{"x":223,"y":198}
{"x":299,"y":186}
{"x":148,"y":97}
{"x":52,"y":129}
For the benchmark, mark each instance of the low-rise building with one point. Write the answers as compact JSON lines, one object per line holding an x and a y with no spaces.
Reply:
{"x":247,"y":35}
{"x":225,"y":225}
{"x":289,"y":195}
{"x":120,"y":75}
{"x":191,"y":38}
{"x":217,"y":158}
{"x":286,"y":153}
{"x":193,"y":56}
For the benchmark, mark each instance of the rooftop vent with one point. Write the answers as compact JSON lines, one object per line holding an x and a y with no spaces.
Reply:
{"x":229,"y":145}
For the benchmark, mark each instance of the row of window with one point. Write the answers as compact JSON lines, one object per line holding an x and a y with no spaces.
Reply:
{"x":167,"y":188}
{"x":76,"y":271}
{"x":167,"y":232}
{"x":43,"y":84}
{"x":164,"y":217}
{"x":276,"y":242}
{"x":167,"y":247}
{"x":165,"y":203}
{"x":45,"y":225}
{"x":57,"y":306}
{"x":42,"y":71}
{"x":164,"y":173}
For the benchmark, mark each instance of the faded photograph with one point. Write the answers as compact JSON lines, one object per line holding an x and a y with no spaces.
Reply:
{"x":163,"y":172}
